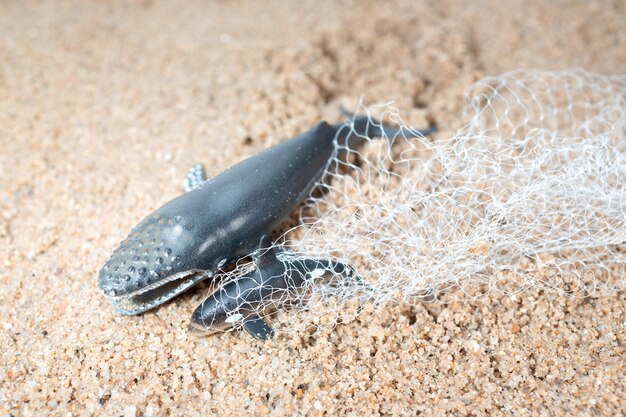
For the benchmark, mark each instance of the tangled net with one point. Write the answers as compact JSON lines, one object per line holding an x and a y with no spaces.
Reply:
{"x":530,"y":193}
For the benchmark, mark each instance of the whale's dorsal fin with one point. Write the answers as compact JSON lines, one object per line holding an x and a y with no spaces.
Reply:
{"x":258,"y":328}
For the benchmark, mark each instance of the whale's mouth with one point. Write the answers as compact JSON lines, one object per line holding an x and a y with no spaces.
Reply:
{"x":155,"y":294}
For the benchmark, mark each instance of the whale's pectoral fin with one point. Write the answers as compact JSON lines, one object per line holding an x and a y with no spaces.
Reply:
{"x":195,"y":178}
{"x":258,"y":328}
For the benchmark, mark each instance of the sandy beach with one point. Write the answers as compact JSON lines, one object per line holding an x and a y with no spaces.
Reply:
{"x":105,"y":105}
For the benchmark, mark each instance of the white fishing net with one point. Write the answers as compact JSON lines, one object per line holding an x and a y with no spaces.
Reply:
{"x":529,"y":193}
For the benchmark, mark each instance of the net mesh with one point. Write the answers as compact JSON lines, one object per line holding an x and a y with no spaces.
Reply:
{"x":529,"y":193}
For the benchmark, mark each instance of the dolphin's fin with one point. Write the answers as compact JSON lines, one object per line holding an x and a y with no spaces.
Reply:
{"x":266,"y":254}
{"x":195,"y":178}
{"x":258,"y":328}
{"x":265,"y":242}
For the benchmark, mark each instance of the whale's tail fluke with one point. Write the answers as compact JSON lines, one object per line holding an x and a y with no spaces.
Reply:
{"x":358,"y":129}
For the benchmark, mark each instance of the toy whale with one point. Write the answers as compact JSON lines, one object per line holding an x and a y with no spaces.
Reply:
{"x":217,"y":221}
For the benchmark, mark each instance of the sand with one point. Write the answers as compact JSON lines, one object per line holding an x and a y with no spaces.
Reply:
{"x":105,"y":105}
